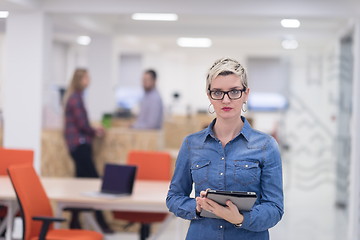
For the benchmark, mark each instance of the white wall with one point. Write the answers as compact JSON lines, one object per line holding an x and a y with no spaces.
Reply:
{"x":100,"y":97}
{"x":59,"y":74}
{"x":26,"y":70}
{"x":66,"y":57}
{"x":1,"y":69}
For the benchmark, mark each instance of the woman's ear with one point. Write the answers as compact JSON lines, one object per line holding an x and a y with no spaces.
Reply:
{"x":246,"y":93}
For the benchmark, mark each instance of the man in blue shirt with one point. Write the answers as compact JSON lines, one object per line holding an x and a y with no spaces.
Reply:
{"x":151,"y":107}
{"x":228,"y":155}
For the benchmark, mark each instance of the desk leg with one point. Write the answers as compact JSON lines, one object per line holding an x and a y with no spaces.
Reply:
{"x":58,"y":213}
{"x":88,"y":217}
{"x":90,"y":220}
{"x":12,"y":209}
{"x":3,"y":224}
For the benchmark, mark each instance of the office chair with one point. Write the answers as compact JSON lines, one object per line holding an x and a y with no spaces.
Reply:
{"x":12,"y":157}
{"x":154,"y":166}
{"x":36,"y":209}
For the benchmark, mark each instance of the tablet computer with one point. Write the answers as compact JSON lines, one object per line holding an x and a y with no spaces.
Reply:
{"x":243,"y":200}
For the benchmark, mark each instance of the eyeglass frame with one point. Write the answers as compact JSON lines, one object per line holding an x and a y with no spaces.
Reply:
{"x":227,"y":93}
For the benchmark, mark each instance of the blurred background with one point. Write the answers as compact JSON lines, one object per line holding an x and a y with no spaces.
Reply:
{"x":303,"y":75}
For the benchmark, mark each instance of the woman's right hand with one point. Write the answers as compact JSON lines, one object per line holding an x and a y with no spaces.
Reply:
{"x":198,"y":205}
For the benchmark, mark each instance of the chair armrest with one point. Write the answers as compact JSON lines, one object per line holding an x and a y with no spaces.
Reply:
{"x":78,"y":209}
{"x":46,"y":224}
{"x":48,"y":219}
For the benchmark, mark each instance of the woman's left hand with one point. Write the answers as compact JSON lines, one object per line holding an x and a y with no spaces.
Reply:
{"x":230,"y":212}
{"x":99,"y":132}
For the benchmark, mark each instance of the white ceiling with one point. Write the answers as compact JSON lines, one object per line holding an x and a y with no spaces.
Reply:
{"x":220,"y":20}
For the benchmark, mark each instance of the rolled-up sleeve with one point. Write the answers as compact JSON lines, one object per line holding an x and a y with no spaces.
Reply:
{"x":271,"y":208}
{"x":178,"y":199}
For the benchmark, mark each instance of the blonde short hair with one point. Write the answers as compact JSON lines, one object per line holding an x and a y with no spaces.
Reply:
{"x":226,"y":66}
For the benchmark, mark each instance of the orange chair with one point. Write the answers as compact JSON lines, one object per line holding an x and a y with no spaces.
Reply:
{"x":36,"y":209}
{"x":10,"y":157}
{"x":152,"y":165}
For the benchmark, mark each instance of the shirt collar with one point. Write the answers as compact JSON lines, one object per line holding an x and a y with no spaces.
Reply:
{"x":245,"y":131}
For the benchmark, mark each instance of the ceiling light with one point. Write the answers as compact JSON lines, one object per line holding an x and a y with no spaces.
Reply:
{"x":83,"y":40}
{"x":155,"y":16}
{"x":194,"y":42}
{"x":290,"y":23}
{"x":4,"y":14}
{"x":290,"y":44}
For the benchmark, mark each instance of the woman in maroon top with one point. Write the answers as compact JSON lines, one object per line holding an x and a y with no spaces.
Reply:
{"x":78,"y":132}
{"x":79,"y":135}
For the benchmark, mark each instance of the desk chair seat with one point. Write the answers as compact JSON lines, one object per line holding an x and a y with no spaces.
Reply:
{"x":36,"y":209}
{"x":154,"y":166}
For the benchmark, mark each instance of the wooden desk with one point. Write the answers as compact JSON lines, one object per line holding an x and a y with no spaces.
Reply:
{"x":148,"y":196}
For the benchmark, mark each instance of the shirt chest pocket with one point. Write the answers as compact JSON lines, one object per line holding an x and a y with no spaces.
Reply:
{"x":246,"y":172}
{"x":200,"y":171}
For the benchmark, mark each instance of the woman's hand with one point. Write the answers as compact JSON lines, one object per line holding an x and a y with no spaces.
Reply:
{"x":99,"y":132}
{"x":230,"y":212}
{"x":198,"y":200}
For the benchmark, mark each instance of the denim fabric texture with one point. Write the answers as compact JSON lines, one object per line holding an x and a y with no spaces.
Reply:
{"x":249,"y":162}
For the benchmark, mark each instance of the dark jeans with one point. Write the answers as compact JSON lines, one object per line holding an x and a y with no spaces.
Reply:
{"x":84,"y":164}
{"x":85,"y":168}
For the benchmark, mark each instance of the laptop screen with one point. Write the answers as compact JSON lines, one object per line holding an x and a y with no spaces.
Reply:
{"x":118,"y":179}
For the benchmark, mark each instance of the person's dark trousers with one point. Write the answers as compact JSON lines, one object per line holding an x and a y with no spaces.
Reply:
{"x":144,"y":231}
{"x":84,"y":164}
{"x":85,"y":168}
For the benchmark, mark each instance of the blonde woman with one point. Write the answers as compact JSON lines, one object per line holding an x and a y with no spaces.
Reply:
{"x":78,"y":132}
{"x":79,"y":135}
{"x":228,"y":155}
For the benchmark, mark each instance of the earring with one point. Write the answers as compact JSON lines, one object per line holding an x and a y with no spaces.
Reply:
{"x":242,"y":108}
{"x":211,"y":112}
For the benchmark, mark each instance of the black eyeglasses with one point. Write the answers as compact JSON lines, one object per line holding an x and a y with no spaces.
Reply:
{"x":232,"y":94}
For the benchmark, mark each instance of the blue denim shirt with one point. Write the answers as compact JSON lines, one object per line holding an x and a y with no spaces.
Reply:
{"x":249,"y":162}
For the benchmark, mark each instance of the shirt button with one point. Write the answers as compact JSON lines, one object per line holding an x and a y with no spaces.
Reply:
{"x":246,"y":165}
{"x":222,"y":158}
{"x":197,"y":165}
{"x":221,"y":174}
{"x":221,"y":226}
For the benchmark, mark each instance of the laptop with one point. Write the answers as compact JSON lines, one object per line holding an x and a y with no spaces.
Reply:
{"x":118,"y":180}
